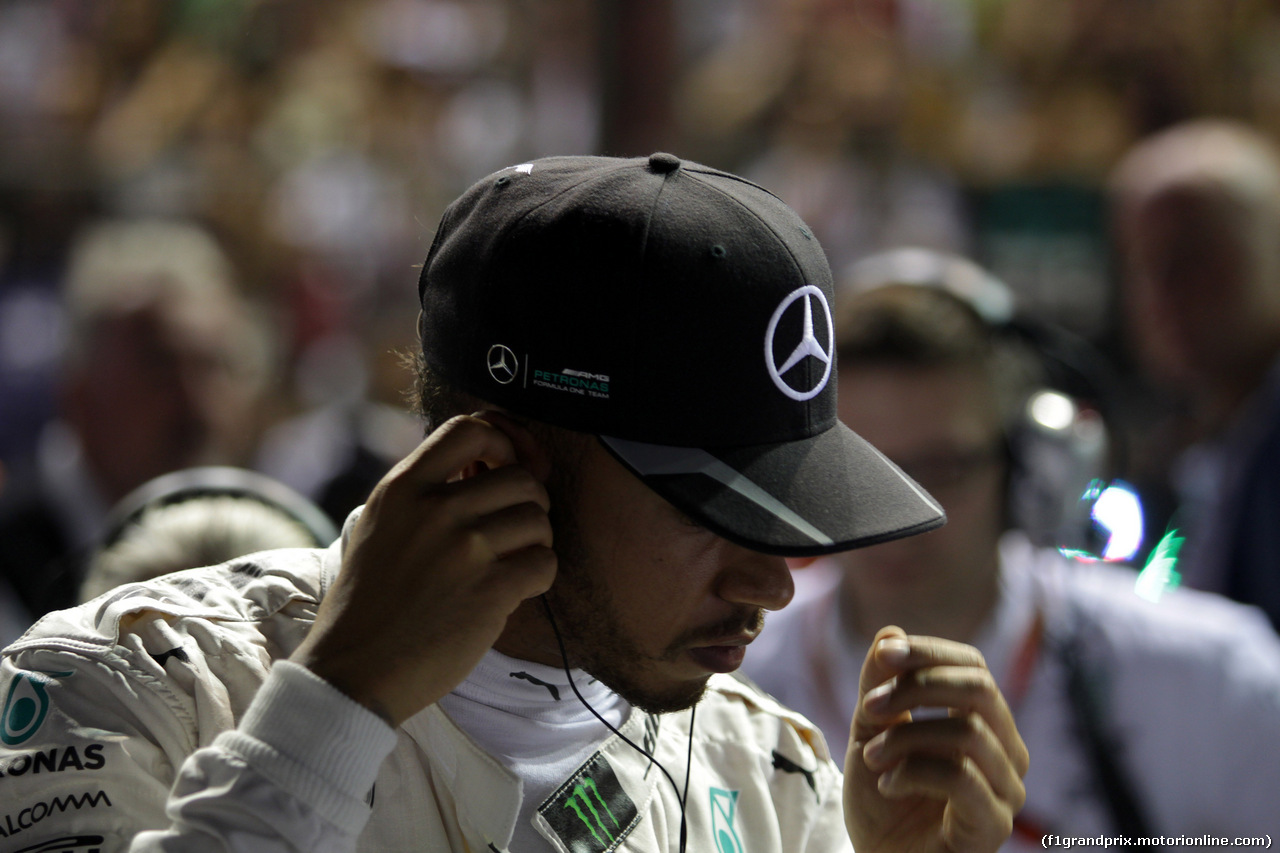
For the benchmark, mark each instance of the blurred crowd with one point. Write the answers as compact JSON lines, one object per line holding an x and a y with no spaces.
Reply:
{"x":302,"y":154}
{"x":212,"y":214}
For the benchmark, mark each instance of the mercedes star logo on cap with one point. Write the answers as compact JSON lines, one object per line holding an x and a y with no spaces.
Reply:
{"x":808,"y":345}
{"x":502,"y":364}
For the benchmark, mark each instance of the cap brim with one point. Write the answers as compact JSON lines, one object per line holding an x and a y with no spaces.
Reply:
{"x":831,"y":492}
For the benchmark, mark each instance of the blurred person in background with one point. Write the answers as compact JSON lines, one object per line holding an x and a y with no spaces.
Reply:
{"x":165,"y":368}
{"x":1197,"y":223}
{"x":1141,"y":718}
{"x":201,"y":517}
{"x":355,"y":425}
{"x":13,"y":617}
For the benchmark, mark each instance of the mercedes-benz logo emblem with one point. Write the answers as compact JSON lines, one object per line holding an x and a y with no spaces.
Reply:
{"x":809,"y":345}
{"x":503,"y":365}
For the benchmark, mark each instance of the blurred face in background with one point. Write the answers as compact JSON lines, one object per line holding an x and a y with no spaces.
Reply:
{"x":160,"y":385}
{"x":1202,"y":285}
{"x":941,"y":425}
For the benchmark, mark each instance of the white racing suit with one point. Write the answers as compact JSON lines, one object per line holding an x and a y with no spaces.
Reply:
{"x":131,"y":722}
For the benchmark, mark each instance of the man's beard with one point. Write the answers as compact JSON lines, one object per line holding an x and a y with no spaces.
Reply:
{"x":588,"y":618}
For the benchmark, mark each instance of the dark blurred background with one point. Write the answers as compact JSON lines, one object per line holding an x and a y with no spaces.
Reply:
{"x":319,"y":141}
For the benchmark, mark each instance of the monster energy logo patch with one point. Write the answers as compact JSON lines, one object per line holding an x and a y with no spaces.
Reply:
{"x":591,"y":812}
{"x":723,"y":806}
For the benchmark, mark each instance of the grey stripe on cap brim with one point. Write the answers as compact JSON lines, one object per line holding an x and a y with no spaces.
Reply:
{"x":910,"y":483}
{"x":654,"y":460}
{"x":827,"y":493}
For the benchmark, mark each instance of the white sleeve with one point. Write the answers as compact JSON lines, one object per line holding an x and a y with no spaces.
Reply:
{"x":295,"y":775}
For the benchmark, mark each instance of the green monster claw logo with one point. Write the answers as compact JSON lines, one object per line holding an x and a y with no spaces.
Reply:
{"x":591,"y":812}
{"x":723,"y":806}
{"x":584,"y":792}
{"x":26,"y":705}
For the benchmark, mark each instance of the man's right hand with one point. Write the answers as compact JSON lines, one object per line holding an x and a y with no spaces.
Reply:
{"x":450,"y":542}
{"x":933,"y":784}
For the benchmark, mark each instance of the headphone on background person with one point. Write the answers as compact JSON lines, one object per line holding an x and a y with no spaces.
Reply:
{"x":199,"y":517}
{"x":1061,"y":449}
{"x":217,"y":481}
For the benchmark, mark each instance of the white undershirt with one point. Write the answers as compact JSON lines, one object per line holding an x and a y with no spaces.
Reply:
{"x":539,"y":731}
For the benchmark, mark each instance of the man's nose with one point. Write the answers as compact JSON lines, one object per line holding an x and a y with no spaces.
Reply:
{"x":755,"y":580}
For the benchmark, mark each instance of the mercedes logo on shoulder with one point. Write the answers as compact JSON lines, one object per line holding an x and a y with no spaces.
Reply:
{"x":808,"y":347}
{"x":503,"y":365}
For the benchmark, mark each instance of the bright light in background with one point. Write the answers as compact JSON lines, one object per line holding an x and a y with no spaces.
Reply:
{"x":1119,"y":511}
{"x":1052,"y":410}
{"x":1116,"y":516}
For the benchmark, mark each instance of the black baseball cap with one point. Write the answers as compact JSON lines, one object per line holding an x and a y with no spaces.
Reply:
{"x":682,"y":315}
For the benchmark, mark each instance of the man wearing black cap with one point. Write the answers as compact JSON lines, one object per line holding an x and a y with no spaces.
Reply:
{"x":647,"y":348}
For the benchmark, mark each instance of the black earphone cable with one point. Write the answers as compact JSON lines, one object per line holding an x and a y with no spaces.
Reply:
{"x":682,"y":799}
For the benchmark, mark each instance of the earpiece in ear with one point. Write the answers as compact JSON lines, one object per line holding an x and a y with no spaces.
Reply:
{"x":474,"y":469}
